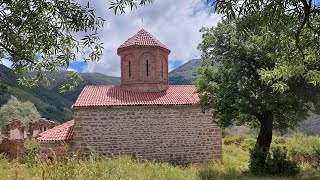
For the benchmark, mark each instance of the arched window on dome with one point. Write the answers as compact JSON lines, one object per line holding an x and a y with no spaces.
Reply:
{"x":147,"y":67}
{"x":129,"y":69}
{"x":162,"y":70}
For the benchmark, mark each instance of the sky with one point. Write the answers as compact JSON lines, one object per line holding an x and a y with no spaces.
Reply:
{"x":175,"y":23}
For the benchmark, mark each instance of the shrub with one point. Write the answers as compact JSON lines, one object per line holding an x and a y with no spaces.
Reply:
{"x":207,"y":174}
{"x":236,"y":139}
{"x":275,"y":163}
{"x":317,"y":153}
{"x":32,"y":149}
{"x":304,"y":148}
{"x":226,"y":132}
{"x":257,"y":161}
{"x":278,"y":164}
{"x":2,"y":156}
{"x":244,"y":141}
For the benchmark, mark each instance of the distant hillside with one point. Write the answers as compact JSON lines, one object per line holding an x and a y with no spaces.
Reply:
{"x":53,"y":105}
{"x":88,"y":79}
{"x":49,"y":102}
{"x":186,"y":73}
{"x":311,"y":126}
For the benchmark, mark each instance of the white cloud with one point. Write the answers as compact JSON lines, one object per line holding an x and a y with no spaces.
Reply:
{"x":6,"y":62}
{"x":70,"y":69}
{"x":174,"y":23}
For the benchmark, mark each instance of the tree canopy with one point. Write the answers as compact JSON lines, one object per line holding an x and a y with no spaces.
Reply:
{"x":268,"y":52}
{"x":294,"y":24}
{"x":236,"y":89}
{"x":15,"y":109}
{"x":40,"y":35}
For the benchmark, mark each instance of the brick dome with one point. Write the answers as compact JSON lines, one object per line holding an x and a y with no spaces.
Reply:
{"x":144,"y":63}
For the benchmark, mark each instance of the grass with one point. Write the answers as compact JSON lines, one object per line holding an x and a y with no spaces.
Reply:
{"x":234,"y":166}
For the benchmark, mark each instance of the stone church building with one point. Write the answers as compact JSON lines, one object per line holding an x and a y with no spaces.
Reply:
{"x":143,"y":117}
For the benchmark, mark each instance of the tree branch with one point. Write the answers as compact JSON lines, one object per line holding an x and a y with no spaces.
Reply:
{"x":259,"y":116}
{"x":306,"y":9}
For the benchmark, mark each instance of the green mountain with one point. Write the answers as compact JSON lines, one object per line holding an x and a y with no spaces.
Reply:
{"x":57,"y":80}
{"x":50,"y":103}
{"x":186,"y":73}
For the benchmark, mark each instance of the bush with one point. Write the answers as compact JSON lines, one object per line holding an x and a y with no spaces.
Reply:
{"x":275,"y":163}
{"x":2,"y":156}
{"x":257,"y":161}
{"x":246,"y":142}
{"x":317,"y":152}
{"x":237,"y":139}
{"x":226,"y":132}
{"x":304,"y":149}
{"x":32,"y":149}
{"x":278,"y":164}
{"x":206,"y":174}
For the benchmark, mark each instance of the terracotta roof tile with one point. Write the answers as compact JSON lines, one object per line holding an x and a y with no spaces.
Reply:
{"x":115,"y":96}
{"x":62,"y":132}
{"x":143,"y":38}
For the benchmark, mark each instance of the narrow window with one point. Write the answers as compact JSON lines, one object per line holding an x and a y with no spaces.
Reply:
{"x":162,"y":70}
{"x":129,"y":69}
{"x":147,"y":67}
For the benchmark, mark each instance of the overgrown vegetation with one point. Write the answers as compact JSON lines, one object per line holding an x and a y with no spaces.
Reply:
{"x":276,"y":163}
{"x":235,"y":165}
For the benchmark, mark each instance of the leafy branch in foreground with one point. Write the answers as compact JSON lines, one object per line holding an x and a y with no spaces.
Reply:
{"x":72,"y":83}
{"x":120,"y":5}
{"x":295,"y":23}
{"x":38,"y":36}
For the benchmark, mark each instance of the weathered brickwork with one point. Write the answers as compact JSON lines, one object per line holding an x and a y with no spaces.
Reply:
{"x":40,"y":125}
{"x":172,"y":133}
{"x":144,"y":69}
{"x":58,"y":149}
{"x":12,"y":148}
{"x":15,"y":129}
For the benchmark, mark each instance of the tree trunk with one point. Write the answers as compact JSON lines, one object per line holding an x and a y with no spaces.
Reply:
{"x":265,"y":136}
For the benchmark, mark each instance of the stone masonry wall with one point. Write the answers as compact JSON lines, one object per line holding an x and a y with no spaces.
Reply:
{"x":12,"y":148}
{"x":58,"y":149}
{"x":172,"y":133}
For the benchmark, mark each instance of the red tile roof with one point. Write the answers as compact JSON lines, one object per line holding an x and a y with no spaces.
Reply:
{"x":143,"y":38}
{"x":115,"y":96}
{"x":62,"y":132}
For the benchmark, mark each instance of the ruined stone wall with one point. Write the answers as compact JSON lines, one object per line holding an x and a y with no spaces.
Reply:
{"x":58,"y":149}
{"x":12,"y":148}
{"x":15,"y":130}
{"x":172,"y":133}
{"x":38,"y":126}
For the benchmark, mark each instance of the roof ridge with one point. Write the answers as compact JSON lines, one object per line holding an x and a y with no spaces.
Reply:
{"x":56,"y":128}
{"x":62,"y":132}
{"x":142,"y":38}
